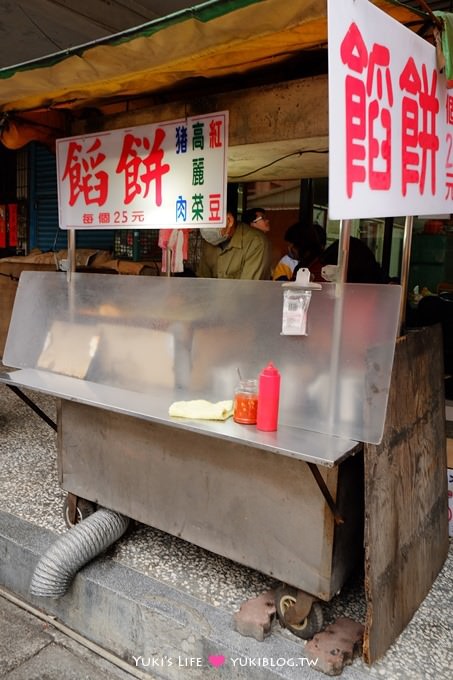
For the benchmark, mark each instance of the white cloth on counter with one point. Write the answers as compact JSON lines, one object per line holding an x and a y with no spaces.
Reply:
{"x":200,"y":409}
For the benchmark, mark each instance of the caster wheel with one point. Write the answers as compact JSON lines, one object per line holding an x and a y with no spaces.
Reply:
{"x":84,"y":509}
{"x":285,"y":597}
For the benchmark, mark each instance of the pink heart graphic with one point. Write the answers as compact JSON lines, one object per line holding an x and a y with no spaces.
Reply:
{"x":216,"y":660}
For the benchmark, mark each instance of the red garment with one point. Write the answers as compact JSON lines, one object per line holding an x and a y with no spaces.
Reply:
{"x":177,"y":241}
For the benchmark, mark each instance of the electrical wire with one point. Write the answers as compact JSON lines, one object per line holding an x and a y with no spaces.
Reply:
{"x":277,"y":160}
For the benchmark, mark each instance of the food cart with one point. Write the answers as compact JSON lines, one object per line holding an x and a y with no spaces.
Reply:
{"x":290,"y":503}
{"x":117,"y":352}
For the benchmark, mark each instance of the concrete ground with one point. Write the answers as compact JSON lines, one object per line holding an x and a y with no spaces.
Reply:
{"x":158,"y":606}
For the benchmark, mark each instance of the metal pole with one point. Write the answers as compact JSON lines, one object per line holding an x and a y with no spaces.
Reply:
{"x":71,"y":254}
{"x":343,"y":250}
{"x":70,"y":271}
{"x":342,"y":263}
{"x":405,"y":262}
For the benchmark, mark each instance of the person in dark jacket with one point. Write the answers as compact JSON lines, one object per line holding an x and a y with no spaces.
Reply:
{"x":362,"y":265}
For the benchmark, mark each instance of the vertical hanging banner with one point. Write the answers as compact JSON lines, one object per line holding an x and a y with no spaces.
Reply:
{"x":165,"y":175}
{"x":2,"y":226}
{"x":390,"y":118}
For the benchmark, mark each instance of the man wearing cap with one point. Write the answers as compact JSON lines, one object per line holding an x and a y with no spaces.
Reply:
{"x":240,"y":250}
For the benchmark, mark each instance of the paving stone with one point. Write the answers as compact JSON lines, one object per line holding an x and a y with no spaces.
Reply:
{"x":22,"y":635}
{"x":33,"y":649}
{"x":56,"y":663}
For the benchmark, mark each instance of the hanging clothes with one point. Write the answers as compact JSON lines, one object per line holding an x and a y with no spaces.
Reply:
{"x":177,"y":242}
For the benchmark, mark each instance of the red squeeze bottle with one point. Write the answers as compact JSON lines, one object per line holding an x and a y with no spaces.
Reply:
{"x":268,"y":399}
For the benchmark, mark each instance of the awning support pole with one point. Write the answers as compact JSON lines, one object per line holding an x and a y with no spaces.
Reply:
{"x":342,"y":264}
{"x":343,"y":250}
{"x":71,"y":253}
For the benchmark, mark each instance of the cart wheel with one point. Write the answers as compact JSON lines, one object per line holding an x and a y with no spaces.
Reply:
{"x":84,"y":509}
{"x":285,"y":597}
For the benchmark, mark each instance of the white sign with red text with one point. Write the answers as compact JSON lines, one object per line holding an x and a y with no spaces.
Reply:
{"x":164,"y":175}
{"x":390,"y":118}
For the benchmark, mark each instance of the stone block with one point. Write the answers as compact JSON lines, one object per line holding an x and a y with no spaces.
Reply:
{"x":336,"y":646}
{"x":255,"y":616}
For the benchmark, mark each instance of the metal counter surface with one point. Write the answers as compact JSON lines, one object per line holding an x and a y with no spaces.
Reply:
{"x":306,"y":445}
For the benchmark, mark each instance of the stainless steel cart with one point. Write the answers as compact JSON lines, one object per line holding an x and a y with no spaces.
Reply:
{"x":118,"y":351}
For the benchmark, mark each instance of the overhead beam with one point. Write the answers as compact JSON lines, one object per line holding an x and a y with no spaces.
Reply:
{"x":291,"y":110}
{"x":276,"y":131}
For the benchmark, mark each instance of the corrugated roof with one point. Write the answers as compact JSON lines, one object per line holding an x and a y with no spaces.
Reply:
{"x":32,"y":29}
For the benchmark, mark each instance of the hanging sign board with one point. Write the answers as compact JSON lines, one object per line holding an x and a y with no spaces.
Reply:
{"x":165,"y":175}
{"x":390,"y":118}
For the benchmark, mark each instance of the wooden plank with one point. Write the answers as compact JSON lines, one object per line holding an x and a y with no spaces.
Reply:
{"x":406,"y":527}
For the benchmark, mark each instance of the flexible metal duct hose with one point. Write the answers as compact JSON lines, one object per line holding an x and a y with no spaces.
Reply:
{"x":56,"y":569}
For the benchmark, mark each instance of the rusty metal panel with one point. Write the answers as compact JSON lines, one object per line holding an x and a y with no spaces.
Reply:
{"x":254,"y":507}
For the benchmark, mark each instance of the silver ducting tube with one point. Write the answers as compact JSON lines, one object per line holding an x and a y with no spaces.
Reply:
{"x":56,"y":569}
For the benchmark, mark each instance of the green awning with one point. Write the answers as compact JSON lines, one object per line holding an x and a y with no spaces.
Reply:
{"x":216,"y":38}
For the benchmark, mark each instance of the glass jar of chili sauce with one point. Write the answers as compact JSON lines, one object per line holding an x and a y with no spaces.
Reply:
{"x":245,"y":403}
